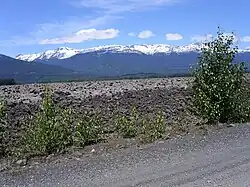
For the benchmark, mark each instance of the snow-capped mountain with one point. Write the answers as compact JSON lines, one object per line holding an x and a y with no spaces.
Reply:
{"x":109,"y":61}
{"x":65,"y":52}
{"x":59,"y":53}
{"x":145,"y":48}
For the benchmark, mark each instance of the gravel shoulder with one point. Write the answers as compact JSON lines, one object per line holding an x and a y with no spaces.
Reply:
{"x":220,"y":158}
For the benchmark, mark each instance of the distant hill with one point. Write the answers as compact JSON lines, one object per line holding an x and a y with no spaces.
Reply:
{"x":7,"y":82}
{"x":29,"y":72}
{"x":121,"y":64}
{"x":120,"y":61}
{"x":106,"y":62}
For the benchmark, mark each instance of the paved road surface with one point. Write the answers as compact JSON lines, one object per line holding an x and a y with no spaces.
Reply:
{"x":220,"y":159}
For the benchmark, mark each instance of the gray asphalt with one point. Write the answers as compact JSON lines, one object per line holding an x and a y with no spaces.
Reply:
{"x":219,"y":159}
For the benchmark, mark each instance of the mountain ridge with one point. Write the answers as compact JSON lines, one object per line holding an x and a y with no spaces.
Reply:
{"x":146,"y":49}
{"x":112,"y":61}
{"x":30,"y":72}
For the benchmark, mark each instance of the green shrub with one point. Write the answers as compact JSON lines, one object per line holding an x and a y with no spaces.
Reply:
{"x":147,"y":128}
{"x":153,"y":129}
{"x":220,"y":88}
{"x":87,"y":130}
{"x":50,"y":131}
{"x":127,"y":126}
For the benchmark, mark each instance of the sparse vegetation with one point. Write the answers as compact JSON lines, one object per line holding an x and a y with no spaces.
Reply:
{"x":147,"y":128}
{"x":50,"y":131}
{"x":128,"y":126}
{"x":53,"y":129}
{"x":87,"y":130}
{"x":153,"y":129}
{"x":220,"y":87}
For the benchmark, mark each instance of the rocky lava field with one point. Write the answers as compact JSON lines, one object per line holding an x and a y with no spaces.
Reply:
{"x":169,"y":95}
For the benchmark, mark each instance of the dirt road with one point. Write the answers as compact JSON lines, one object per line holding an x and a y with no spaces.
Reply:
{"x":221,"y":158}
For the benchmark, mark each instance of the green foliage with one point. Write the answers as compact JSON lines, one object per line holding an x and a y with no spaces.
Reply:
{"x":153,"y":129}
{"x":50,"y":131}
{"x":220,"y":87}
{"x":128,"y":126}
{"x":147,"y":128}
{"x":87,"y":130}
{"x":54,"y":129}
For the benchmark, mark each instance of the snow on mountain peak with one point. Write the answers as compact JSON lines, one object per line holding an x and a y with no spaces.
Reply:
{"x":59,"y":53}
{"x":149,"y":49}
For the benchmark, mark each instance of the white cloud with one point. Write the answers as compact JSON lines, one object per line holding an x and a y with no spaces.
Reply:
{"x":132,"y":34}
{"x":71,"y":25}
{"x":145,"y":34}
{"x":173,"y":36}
{"x":84,"y":35}
{"x":245,"y":39}
{"x":58,"y":30}
{"x":202,"y":38}
{"x":102,"y":14}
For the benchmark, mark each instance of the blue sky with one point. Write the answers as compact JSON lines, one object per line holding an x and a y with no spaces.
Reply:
{"x":30,"y":26}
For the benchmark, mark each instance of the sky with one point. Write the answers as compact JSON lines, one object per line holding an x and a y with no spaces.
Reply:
{"x":31,"y":26}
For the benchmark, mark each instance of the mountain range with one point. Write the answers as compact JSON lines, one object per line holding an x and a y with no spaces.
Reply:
{"x":104,"y":62}
{"x":65,"y":52}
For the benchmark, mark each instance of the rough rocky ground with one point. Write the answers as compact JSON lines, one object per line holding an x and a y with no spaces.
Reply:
{"x":106,"y":97}
{"x":169,"y":95}
{"x":31,"y":92}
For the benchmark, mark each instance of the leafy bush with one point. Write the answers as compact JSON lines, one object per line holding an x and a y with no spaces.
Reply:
{"x":128,"y":126}
{"x":153,"y":129}
{"x":220,"y":87}
{"x":50,"y":131}
{"x":147,"y":128}
{"x":87,"y":130}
